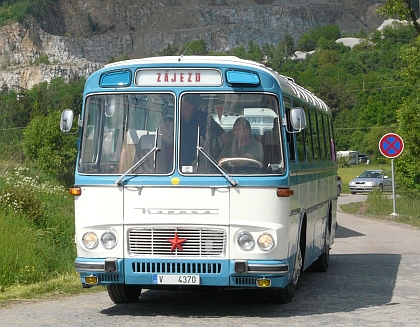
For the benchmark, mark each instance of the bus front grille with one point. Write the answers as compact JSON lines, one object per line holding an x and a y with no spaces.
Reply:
{"x":245,"y":281}
{"x":108,"y":277}
{"x":176,"y":268}
{"x":177,"y":242}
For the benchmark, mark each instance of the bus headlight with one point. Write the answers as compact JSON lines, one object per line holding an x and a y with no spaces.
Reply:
{"x":108,"y":240}
{"x":265,"y":242}
{"x":90,"y":240}
{"x":246,"y":241}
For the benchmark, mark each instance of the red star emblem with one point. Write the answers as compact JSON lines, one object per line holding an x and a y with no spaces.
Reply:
{"x":176,"y":242}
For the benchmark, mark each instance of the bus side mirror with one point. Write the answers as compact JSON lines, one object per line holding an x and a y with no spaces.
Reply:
{"x":297,"y":120}
{"x":66,"y":120}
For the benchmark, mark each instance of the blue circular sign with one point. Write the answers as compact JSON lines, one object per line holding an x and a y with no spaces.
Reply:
{"x":391,"y":145}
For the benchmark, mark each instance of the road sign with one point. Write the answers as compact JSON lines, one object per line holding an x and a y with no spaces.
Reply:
{"x":391,"y":145}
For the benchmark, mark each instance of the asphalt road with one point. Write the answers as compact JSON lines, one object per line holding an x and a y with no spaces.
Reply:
{"x":373,"y":280}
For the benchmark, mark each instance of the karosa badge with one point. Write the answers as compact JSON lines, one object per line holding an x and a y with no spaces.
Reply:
{"x":176,"y":242}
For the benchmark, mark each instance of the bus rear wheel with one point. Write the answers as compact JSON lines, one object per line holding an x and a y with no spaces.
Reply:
{"x":122,"y":293}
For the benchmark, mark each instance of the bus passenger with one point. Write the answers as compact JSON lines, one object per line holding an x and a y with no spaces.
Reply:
{"x":191,"y":118}
{"x":242,"y":145}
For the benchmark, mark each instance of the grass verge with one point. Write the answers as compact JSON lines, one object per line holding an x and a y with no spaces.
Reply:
{"x":380,"y":205}
{"x":66,"y":284}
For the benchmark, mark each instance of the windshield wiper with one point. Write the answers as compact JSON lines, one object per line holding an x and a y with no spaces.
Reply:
{"x":139,"y":163}
{"x":213,"y":162}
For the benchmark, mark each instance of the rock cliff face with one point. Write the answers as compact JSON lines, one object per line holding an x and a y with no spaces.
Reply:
{"x":78,"y":36}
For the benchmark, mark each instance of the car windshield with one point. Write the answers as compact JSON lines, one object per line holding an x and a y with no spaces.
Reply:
{"x":371,"y":174}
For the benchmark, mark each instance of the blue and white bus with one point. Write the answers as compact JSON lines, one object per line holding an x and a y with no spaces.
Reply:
{"x":160,"y":203}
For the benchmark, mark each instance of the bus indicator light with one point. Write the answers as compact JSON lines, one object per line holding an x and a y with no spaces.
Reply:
{"x":284,"y":192}
{"x":263,"y":282}
{"x":91,"y":280}
{"x":77,"y":191}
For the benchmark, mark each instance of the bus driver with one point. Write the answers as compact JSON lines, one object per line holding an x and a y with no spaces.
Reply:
{"x":191,"y":118}
{"x":242,"y":145}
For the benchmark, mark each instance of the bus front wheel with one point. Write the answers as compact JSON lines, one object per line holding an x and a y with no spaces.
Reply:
{"x":122,"y":293}
{"x":285,"y":295}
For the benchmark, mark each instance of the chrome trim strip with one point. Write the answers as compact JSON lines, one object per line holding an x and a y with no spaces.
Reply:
{"x":90,"y":266}
{"x":273,"y":269}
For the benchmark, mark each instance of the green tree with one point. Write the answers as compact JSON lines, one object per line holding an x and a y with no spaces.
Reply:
{"x":401,"y":8}
{"x":196,"y":47}
{"x":239,"y":52}
{"x":52,"y":151}
{"x":337,"y":96}
{"x":408,"y":118}
{"x":308,"y":41}
{"x":21,"y":111}
{"x":254,"y":52}
{"x":371,"y":143}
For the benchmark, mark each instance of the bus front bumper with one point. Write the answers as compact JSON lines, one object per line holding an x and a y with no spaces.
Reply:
{"x":217,"y":273}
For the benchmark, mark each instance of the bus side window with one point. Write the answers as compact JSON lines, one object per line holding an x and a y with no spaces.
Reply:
{"x":300,"y":144}
{"x":322,"y":136}
{"x":315,"y":135}
{"x":308,"y":136}
{"x":327,"y":137}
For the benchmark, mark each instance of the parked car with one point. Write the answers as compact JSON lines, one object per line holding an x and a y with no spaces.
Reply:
{"x":339,"y":185}
{"x":362,"y":158}
{"x":370,"y":180}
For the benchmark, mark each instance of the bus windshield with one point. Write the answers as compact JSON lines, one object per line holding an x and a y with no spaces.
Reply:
{"x":237,"y":132}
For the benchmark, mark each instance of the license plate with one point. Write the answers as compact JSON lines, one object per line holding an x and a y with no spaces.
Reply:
{"x":176,"y":279}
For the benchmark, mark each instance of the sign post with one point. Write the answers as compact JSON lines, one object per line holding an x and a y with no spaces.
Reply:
{"x":391,"y":146}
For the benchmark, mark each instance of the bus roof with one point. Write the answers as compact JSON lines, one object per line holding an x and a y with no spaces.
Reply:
{"x":287,"y":84}
{"x":188,"y":59}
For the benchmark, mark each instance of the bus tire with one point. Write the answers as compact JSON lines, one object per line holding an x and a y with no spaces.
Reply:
{"x":322,"y":263}
{"x":122,"y":293}
{"x":285,"y":295}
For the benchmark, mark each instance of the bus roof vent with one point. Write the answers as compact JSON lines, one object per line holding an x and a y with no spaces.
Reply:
{"x":116,"y":78}
{"x":241,"y":77}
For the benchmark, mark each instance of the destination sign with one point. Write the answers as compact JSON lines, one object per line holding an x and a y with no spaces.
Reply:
{"x":265,"y":120}
{"x":178,"y":77}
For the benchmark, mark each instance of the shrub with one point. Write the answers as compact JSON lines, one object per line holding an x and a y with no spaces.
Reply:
{"x":343,"y":162}
{"x":51,"y":150}
{"x":37,"y":227}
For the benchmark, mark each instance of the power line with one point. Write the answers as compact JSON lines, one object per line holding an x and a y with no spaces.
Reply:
{"x":378,"y":88}
{"x":353,"y":128}
{"x":11,"y":128}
